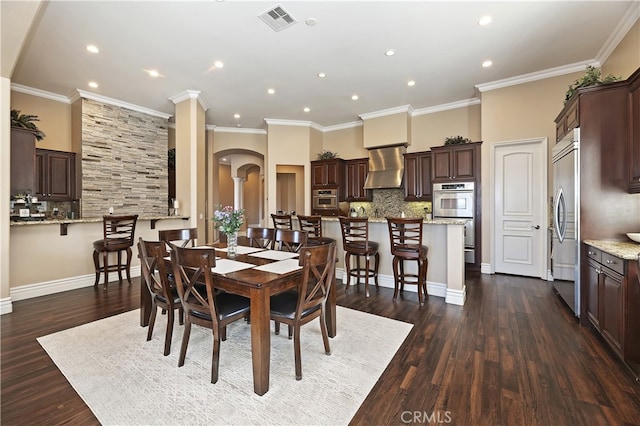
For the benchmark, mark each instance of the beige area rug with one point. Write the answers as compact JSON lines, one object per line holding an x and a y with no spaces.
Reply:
{"x":125,"y":380}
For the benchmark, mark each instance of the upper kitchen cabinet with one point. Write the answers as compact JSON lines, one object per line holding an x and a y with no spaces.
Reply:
{"x":455,"y":162}
{"x":417,"y":176}
{"x":355,"y":176}
{"x":326,"y":174}
{"x":23,"y":157}
{"x":55,"y":175}
{"x":634,"y":133}
{"x":568,"y":121}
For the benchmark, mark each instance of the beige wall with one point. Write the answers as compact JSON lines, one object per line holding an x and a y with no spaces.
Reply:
{"x":429,"y":130}
{"x":625,"y":58}
{"x":346,"y":142}
{"x":388,"y":130}
{"x":55,"y":119}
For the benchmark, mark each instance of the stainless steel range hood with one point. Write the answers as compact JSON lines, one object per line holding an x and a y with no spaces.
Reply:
{"x":386,"y":167}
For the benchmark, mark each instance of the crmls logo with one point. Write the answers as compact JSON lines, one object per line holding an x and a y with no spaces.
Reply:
{"x":426,"y":418}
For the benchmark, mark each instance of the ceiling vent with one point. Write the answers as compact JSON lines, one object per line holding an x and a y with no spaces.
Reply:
{"x":277,"y":18}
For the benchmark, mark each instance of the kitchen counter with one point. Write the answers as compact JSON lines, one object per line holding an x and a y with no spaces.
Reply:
{"x":85,"y":220}
{"x":627,"y":250}
{"x":384,"y":220}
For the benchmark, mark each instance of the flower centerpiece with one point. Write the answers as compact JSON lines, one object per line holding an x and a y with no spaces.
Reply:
{"x":229,"y":221}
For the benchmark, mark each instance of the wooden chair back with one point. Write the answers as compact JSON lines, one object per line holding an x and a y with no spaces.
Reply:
{"x":282,"y":221}
{"x":355,"y":234}
{"x":192,"y":267}
{"x":261,"y":237}
{"x":183,"y":236}
{"x":118,"y":231}
{"x":290,"y":240}
{"x":405,"y":236}
{"x":318,"y":269}
{"x":311,"y":224}
{"x":153,"y":268}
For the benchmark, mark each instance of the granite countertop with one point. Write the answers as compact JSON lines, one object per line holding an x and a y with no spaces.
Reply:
{"x":384,"y":220}
{"x":627,"y":250}
{"x":85,"y":220}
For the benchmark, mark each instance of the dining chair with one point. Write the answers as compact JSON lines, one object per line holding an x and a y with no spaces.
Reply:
{"x":202,"y":305}
{"x":301,"y":306}
{"x":355,"y":242}
{"x":282,"y":221}
{"x":313,"y":225}
{"x":118,"y":236}
{"x":261,"y":237}
{"x":290,"y":240}
{"x":405,"y":235}
{"x":163,"y":294}
{"x":186,"y":236}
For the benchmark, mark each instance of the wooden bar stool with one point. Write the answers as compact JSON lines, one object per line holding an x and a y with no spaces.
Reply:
{"x":282,"y":221}
{"x":118,"y":234}
{"x":355,"y":242}
{"x":313,"y":226}
{"x":406,"y":244}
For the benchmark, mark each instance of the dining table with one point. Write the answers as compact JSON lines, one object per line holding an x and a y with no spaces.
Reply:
{"x":257,"y":274}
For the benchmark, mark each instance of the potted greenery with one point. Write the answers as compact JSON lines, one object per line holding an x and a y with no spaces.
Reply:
{"x":327,"y":155}
{"x":26,"y":121}
{"x":592,"y":77}
{"x":456,"y":140}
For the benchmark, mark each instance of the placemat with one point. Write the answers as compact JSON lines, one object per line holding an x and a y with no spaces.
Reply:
{"x":275,"y":254}
{"x":242,"y":249}
{"x":281,"y":267}
{"x":225,"y":266}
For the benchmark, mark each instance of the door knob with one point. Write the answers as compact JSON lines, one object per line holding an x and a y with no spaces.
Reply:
{"x":537,"y":227}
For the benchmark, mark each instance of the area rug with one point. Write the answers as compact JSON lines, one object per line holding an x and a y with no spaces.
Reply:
{"x":126,"y":380}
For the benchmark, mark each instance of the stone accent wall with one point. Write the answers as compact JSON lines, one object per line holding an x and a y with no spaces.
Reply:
{"x":124,"y":161}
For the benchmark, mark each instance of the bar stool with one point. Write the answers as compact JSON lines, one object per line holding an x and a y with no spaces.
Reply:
{"x":281,"y":221}
{"x":355,"y":242}
{"x":406,"y":244}
{"x":118,"y":234}
{"x":313,"y":226}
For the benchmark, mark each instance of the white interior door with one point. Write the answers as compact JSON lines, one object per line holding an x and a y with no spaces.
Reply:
{"x":520,"y":208}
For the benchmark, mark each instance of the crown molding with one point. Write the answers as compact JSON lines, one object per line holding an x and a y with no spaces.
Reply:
{"x":389,"y":111}
{"x":293,"y":123}
{"x":538,"y":75}
{"x":237,"y":130}
{"x":40,"y":93}
{"x":110,"y":101}
{"x":343,"y":126}
{"x":625,"y":24}
{"x":190,"y":94}
{"x":445,"y":107}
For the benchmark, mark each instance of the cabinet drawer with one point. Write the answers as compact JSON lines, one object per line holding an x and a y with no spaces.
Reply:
{"x":614,"y":263}
{"x":594,"y":253}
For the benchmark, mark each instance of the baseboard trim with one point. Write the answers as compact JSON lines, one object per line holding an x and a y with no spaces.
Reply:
{"x":433,"y":288}
{"x":485,"y":268}
{"x":57,"y":286}
{"x":5,"y":306}
{"x":456,"y":297}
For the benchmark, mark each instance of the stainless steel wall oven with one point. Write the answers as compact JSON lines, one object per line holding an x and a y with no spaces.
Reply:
{"x":457,"y":201}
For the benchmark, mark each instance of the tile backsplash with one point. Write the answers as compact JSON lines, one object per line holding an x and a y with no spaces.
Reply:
{"x":390,"y":202}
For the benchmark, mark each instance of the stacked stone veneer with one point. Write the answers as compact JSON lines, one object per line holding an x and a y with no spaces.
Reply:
{"x":124,"y":161}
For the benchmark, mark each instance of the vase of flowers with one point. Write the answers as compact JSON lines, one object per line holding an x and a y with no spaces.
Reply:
{"x":229,"y":221}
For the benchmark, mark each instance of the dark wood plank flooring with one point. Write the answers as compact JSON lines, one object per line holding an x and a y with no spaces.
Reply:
{"x":512,"y":355}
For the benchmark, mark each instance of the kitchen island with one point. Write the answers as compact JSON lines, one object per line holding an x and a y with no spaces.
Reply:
{"x":443,"y":237}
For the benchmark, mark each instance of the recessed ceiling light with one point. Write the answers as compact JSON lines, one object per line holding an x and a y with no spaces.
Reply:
{"x":487,"y":64}
{"x":354,"y":97}
{"x":236,"y":116}
{"x":218,"y":64}
{"x":153,"y":73}
{"x":93,"y":48}
{"x":311,"y":21}
{"x":485,"y":20}
{"x":238,"y":125}
{"x":390,"y":52}
{"x":411,"y":83}
{"x":93,"y":84}
{"x":271,"y":91}
{"x":322,"y":75}
{"x":306,"y":109}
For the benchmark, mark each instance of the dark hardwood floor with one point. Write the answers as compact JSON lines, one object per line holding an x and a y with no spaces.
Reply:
{"x":512,"y":355}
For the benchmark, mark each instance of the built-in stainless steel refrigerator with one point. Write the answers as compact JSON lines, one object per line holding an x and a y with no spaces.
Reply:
{"x":565,"y":248}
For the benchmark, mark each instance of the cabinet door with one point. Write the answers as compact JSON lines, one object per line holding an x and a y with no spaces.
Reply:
{"x":441,"y":161}
{"x":593,"y":278}
{"x":356,"y":174}
{"x":424,"y":176}
{"x":41,"y":173}
{"x":318,"y":174}
{"x":411,"y":191}
{"x":464,"y":163}
{"x":333,"y":173}
{"x":23,"y":151}
{"x":61,"y":175}
{"x":634,"y":138}
{"x":612,"y":308}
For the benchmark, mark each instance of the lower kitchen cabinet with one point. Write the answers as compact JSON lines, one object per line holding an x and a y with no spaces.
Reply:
{"x":55,"y":175}
{"x":613,"y":302}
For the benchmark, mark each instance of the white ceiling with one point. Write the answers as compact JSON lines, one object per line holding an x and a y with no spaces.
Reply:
{"x":438,"y":44}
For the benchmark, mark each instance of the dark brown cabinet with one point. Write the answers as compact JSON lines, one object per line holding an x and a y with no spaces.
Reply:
{"x":355,"y":176}
{"x":569,"y":121}
{"x":55,"y":175}
{"x":455,"y":162}
{"x":613,"y":302}
{"x":23,"y":157}
{"x":327,"y":173}
{"x":634,"y":133}
{"x":417,"y":176}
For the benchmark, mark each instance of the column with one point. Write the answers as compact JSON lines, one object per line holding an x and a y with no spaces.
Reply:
{"x":237,"y":192}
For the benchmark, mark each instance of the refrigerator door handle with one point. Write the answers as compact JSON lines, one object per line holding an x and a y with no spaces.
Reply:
{"x":560,"y":213}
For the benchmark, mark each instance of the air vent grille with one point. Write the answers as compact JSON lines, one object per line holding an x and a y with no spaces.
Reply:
{"x":277,"y":18}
